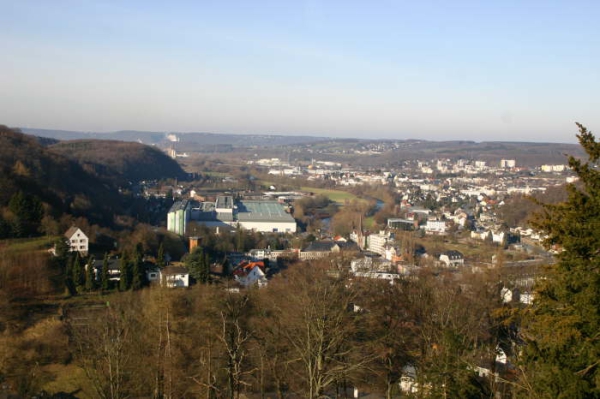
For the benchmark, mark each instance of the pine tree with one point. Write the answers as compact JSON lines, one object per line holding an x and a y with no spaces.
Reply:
{"x":137,"y":271}
{"x":78,"y":272}
{"x":105,"y":281}
{"x":160,"y":257}
{"x":125,"y":273}
{"x":198,"y":264}
{"x":69,"y":283}
{"x":90,"y":275}
{"x":562,"y":329}
{"x":240,"y":239}
{"x":29,"y":212}
{"x":61,"y":249}
{"x":205,"y":269}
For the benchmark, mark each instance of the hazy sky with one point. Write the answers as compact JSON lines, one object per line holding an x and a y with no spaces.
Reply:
{"x":479,"y":70}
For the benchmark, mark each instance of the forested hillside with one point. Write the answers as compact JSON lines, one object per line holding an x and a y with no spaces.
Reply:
{"x":36,"y":180}
{"x":119,"y":161}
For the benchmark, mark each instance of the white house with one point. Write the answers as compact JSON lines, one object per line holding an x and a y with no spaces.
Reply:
{"x":250,"y":274}
{"x":435,"y":227}
{"x":480,"y":234}
{"x":175,"y":276}
{"x":77,"y":240}
{"x":498,"y":237}
{"x":452,"y":258}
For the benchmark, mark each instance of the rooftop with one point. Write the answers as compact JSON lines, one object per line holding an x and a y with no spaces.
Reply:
{"x":264,"y":211}
{"x":179,"y":206}
{"x":224,"y":202}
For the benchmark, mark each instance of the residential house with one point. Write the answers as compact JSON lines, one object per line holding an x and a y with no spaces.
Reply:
{"x":480,"y":234}
{"x":498,"y":237}
{"x":153,"y":274}
{"x":452,"y":258}
{"x":175,"y":276}
{"x":435,"y":226}
{"x":77,"y":240}
{"x":114,"y":268}
{"x":248,"y":274}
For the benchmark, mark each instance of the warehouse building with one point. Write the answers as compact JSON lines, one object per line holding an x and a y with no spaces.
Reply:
{"x":263,"y":216}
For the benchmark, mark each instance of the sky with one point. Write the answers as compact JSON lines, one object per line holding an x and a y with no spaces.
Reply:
{"x":433,"y":70}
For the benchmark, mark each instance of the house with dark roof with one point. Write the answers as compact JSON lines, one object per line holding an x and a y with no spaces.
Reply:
{"x":113,"y":267}
{"x":452,"y":258}
{"x":77,"y":240}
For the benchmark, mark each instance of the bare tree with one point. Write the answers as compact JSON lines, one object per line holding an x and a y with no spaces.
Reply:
{"x":319,"y":326}
{"x":103,"y":343}
{"x":391,"y":331}
{"x":234,"y":336}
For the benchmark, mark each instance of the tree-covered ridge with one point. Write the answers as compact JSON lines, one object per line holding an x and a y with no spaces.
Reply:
{"x":130,"y":161}
{"x":62,"y":185}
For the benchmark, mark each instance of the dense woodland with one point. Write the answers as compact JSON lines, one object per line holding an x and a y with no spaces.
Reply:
{"x":129,"y":162}
{"x":44,"y":189}
{"x":312,"y":332}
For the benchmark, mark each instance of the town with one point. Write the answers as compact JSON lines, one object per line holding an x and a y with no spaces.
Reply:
{"x":232,"y":233}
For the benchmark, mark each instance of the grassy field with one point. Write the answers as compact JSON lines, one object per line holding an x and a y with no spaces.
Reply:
{"x":369,"y":222}
{"x":28,"y":244}
{"x":338,"y":196}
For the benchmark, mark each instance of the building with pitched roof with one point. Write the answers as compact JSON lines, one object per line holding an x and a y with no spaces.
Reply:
{"x":77,"y":240}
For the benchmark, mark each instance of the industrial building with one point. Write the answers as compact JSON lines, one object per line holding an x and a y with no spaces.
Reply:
{"x":263,"y":216}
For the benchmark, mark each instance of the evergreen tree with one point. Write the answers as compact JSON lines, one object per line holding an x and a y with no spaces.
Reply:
{"x":5,"y":228}
{"x":137,"y":270}
{"x":105,"y":281}
{"x":562,"y":329}
{"x":240,"y":239}
{"x":205,"y":269}
{"x":61,"y":249}
{"x":78,"y":272}
{"x":90,"y":275}
{"x":125,"y":273}
{"x":198,"y":264}
{"x":69,"y":283}
{"x":28,"y":211}
{"x":160,"y":257}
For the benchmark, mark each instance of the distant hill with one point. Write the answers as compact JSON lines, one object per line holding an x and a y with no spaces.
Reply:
{"x":525,"y":153}
{"x":119,"y":161}
{"x":340,"y":149}
{"x":200,"y":141}
{"x":59,"y":182}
